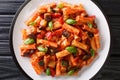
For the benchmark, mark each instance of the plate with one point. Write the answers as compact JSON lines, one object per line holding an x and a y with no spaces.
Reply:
{"x":24,"y":64}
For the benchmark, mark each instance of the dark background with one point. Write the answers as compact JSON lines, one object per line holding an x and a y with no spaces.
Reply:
{"x":8,"y":69}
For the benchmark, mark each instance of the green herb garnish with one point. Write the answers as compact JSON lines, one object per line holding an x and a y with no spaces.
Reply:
{"x":71,"y":49}
{"x":50,"y":25}
{"x":32,"y":23}
{"x":89,"y":24}
{"x":92,"y":52}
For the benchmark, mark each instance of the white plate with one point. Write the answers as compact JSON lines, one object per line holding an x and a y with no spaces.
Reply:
{"x":87,"y":72}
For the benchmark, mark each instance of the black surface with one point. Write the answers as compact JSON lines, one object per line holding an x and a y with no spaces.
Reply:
{"x":8,"y":69}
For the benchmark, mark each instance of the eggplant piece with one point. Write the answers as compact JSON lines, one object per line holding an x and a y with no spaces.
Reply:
{"x":28,"y":52}
{"x":32,"y":36}
{"x":94,"y":25}
{"x":86,"y":57}
{"x":65,"y":33}
{"x":43,"y":23}
{"x":47,"y":17}
{"x":52,"y":51}
{"x":90,"y":34}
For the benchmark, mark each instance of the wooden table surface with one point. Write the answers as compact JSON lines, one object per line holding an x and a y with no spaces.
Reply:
{"x":8,"y":69}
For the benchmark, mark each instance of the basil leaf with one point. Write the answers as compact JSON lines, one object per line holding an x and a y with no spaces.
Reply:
{"x":32,"y":23}
{"x":89,"y":24}
{"x":71,"y":49}
{"x":50,"y":25}
{"x":71,"y":72}
{"x":48,"y":71}
{"x":92,"y":52}
{"x":40,"y":48}
{"x":29,"y":41}
{"x":70,"y":21}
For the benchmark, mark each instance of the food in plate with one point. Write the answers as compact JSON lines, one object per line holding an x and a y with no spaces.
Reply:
{"x":60,"y":39}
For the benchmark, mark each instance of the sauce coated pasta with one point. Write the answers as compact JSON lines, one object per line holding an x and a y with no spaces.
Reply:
{"x":60,"y":39}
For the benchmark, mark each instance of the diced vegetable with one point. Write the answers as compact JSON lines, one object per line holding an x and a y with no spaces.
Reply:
{"x":48,"y":71}
{"x":43,"y":23}
{"x":66,"y":33}
{"x":29,"y":41}
{"x":94,"y":26}
{"x":92,"y":52}
{"x":52,"y":51}
{"x":71,"y":72}
{"x":60,"y":6}
{"x":32,"y":23}
{"x":71,"y":49}
{"x":42,"y":49}
{"x":27,"y":52}
{"x":31,"y":36}
{"x":70,"y":21}
{"x":50,"y":25}
{"x":86,"y":57}
{"x":89,"y":24}
{"x":56,"y":15}
{"x":47,"y":17}
{"x":41,"y":63}
{"x":52,"y":72}
{"x":90,"y":34}
{"x":48,"y":35}
{"x":65,"y":63}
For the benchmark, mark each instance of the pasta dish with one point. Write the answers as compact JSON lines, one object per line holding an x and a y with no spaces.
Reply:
{"x":60,"y":39}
